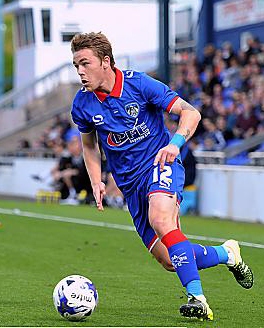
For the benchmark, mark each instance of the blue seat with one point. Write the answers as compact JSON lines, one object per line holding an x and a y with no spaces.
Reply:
{"x":261,"y":147}
{"x":241,"y":159}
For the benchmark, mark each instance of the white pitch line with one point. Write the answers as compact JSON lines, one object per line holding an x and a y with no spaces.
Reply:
{"x":66,"y":219}
{"x":123,"y":227}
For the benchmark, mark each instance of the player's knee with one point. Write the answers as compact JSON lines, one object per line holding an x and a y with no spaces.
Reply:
{"x":158,"y":221}
{"x":158,"y":217}
{"x":161,"y":224}
{"x":161,"y":213}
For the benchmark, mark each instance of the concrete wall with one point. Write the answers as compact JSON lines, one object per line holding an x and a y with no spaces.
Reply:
{"x":10,"y":120}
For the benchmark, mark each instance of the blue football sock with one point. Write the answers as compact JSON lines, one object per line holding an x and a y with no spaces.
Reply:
{"x":206,"y":256}
{"x":194,"y":288}
{"x":221,"y":253}
{"x":182,"y":258}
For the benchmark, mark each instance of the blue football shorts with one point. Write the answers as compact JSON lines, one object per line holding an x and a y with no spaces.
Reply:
{"x":170,"y":181}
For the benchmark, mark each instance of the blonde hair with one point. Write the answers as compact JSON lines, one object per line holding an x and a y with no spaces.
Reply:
{"x":97,"y":42}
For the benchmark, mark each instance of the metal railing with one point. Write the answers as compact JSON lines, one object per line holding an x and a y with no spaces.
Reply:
{"x":257,"y":158}
{"x":18,"y":98}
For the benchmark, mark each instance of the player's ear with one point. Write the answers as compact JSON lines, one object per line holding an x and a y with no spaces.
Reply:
{"x":106,"y":62}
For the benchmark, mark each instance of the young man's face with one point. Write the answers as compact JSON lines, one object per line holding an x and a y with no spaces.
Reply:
{"x":90,"y":68}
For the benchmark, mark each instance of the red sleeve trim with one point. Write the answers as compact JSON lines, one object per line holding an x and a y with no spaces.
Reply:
{"x":168,"y":109}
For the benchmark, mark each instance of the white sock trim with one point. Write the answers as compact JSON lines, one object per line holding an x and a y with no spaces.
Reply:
{"x":231,"y":256}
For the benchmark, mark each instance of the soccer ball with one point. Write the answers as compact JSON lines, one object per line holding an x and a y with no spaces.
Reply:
{"x":75,"y":297}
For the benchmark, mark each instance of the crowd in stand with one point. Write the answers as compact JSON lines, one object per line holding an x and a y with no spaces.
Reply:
{"x":226,"y":86}
{"x":228,"y":89}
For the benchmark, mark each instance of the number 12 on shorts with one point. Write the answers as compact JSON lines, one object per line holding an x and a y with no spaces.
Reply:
{"x":164,"y":177}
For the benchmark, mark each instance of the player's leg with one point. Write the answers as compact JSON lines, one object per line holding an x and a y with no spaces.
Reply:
{"x":209,"y":256}
{"x":205,"y":256}
{"x":67,"y":176}
{"x":162,"y":213}
{"x":164,"y":190}
{"x":139,"y":207}
{"x":160,"y":252}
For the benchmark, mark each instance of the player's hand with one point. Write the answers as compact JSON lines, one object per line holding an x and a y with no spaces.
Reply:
{"x":99,"y":193}
{"x":166,"y":155}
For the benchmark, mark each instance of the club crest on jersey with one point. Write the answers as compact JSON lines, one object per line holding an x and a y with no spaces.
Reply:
{"x":132,"y":109}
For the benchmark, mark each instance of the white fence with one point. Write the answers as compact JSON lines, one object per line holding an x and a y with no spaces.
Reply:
{"x":232,"y":192}
{"x":16,"y":175}
{"x":228,"y":192}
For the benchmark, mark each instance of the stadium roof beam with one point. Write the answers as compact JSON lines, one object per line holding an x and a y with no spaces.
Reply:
{"x":1,"y":49}
{"x":164,"y":68}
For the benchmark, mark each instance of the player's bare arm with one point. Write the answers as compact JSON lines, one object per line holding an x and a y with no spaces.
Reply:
{"x":189,"y":119}
{"x":92,"y":159}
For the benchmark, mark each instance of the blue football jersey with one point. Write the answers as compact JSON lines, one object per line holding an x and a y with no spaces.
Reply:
{"x":129,"y":122}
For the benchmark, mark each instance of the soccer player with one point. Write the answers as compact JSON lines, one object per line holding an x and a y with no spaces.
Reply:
{"x":125,"y":110}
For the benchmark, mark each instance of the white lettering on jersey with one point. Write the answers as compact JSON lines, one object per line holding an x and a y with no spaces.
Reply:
{"x":98,"y":119}
{"x":129,"y":74}
{"x":138,"y":132}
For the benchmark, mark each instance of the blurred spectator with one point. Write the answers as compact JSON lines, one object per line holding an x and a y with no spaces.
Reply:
{"x":53,"y":134}
{"x":209,"y":53}
{"x":253,"y":47}
{"x":189,"y":163}
{"x":210,"y":80}
{"x":114,"y":197}
{"x":207,"y":108}
{"x":208,"y":144}
{"x":71,"y":176}
{"x":221,"y":125}
{"x":187,"y":156}
{"x":23,"y":148}
{"x":227,"y":52}
{"x":231,"y":77}
{"x":213,"y":137}
{"x":247,"y":122}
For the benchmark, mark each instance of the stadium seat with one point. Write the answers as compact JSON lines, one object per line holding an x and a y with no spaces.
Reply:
{"x":261,"y":147}
{"x":234,"y":142}
{"x":241,"y":159}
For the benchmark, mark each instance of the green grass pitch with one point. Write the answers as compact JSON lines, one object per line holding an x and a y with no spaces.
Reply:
{"x":134,"y":290}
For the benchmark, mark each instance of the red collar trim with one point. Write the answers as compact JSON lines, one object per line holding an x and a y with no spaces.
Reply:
{"x":117,"y":89}
{"x":100,"y":95}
